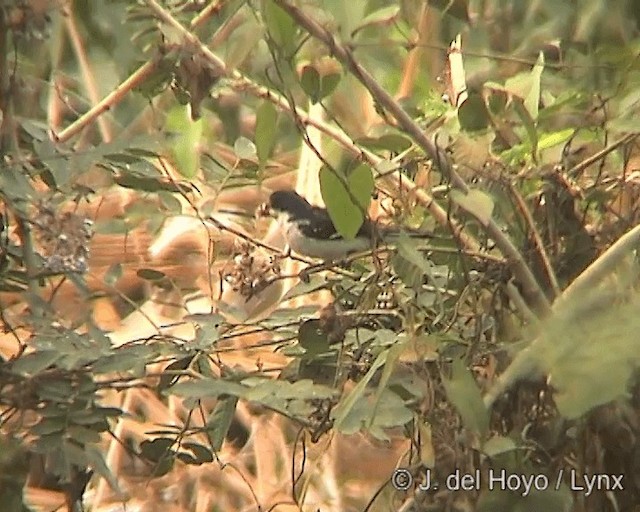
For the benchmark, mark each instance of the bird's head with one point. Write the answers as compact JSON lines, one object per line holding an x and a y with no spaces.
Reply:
{"x":290,"y":203}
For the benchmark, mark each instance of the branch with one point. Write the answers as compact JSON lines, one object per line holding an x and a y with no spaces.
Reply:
{"x":523,"y":365}
{"x":113,"y":98}
{"x":85,"y":67}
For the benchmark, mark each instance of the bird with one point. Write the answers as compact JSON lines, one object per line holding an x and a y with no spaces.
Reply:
{"x":309,"y":231}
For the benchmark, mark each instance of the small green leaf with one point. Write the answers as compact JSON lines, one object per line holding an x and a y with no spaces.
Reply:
{"x":382,"y":16}
{"x":202,"y":453}
{"x":186,"y":143}
{"x":149,"y":274}
{"x":346,"y":216}
{"x":171,"y":373}
{"x":342,"y":410}
{"x":265,"y":137}
{"x":303,"y":288}
{"x":473,"y":114}
{"x":82,"y":434}
{"x":35,"y":362}
{"x":157,"y":450}
{"x":389,"y":365}
{"x":313,"y":338}
{"x":207,"y":388}
{"x":465,"y":395}
{"x":361,"y":184}
{"x":347,"y":199}
{"x":113,"y":274}
{"x":310,"y":82}
{"x":220,"y":420}
{"x":328,"y":84}
{"x":532,"y":99}
{"x":282,"y":28}
{"x":392,"y":141}
{"x":244,"y":149}
{"x":477,"y":203}
{"x":427,"y":451}
{"x":97,"y":462}
{"x":48,"y":426}
{"x":549,"y":140}
{"x":498,"y":445}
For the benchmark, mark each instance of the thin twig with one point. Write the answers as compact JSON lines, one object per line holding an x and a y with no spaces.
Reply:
{"x":600,"y":268}
{"x":87,"y":73}
{"x":577,"y":169}
{"x":537,"y":240}
{"x":137,"y":77}
{"x":113,"y":98}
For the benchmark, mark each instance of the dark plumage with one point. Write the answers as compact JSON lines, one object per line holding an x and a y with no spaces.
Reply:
{"x":299,"y":209}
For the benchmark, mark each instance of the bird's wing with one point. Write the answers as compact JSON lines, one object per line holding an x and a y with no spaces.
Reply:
{"x":324,"y":229}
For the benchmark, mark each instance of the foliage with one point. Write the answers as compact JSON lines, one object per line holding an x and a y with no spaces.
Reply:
{"x":470,"y":346}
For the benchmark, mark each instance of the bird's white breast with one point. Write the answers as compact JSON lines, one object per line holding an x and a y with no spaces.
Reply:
{"x":322,"y":249}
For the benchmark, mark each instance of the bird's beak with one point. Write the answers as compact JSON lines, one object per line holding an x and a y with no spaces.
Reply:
{"x":264,"y":211}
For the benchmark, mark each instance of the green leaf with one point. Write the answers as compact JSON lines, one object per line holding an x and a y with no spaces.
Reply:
{"x":202,"y":454}
{"x":498,"y":445}
{"x":282,"y":28}
{"x":382,"y":16}
{"x":465,"y":395}
{"x":328,"y":84}
{"x":127,"y":358}
{"x":185,"y":146}
{"x":347,"y":199}
{"x":266,"y":390}
{"x":113,"y":274}
{"x":389,"y":365}
{"x":220,"y":420}
{"x":427,"y":450}
{"x":409,"y":263}
{"x":171,"y":373}
{"x":244,"y":149}
{"x":549,"y":140}
{"x":150,"y":274}
{"x":31,"y":364}
{"x":361,"y":185}
{"x":529,"y":125}
{"x":303,"y":288}
{"x":477,"y":203}
{"x":310,"y":82}
{"x":313,"y":338}
{"x":265,"y":137}
{"x":473,"y":114}
{"x":82,"y":435}
{"x":207,"y":388}
{"x":583,"y":338}
{"x":342,"y":410}
{"x":532,"y":99}
{"x":390,"y":412}
{"x":525,"y":86}
{"x":155,"y":450}
{"x":347,"y":217}
{"x":48,"y":426}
